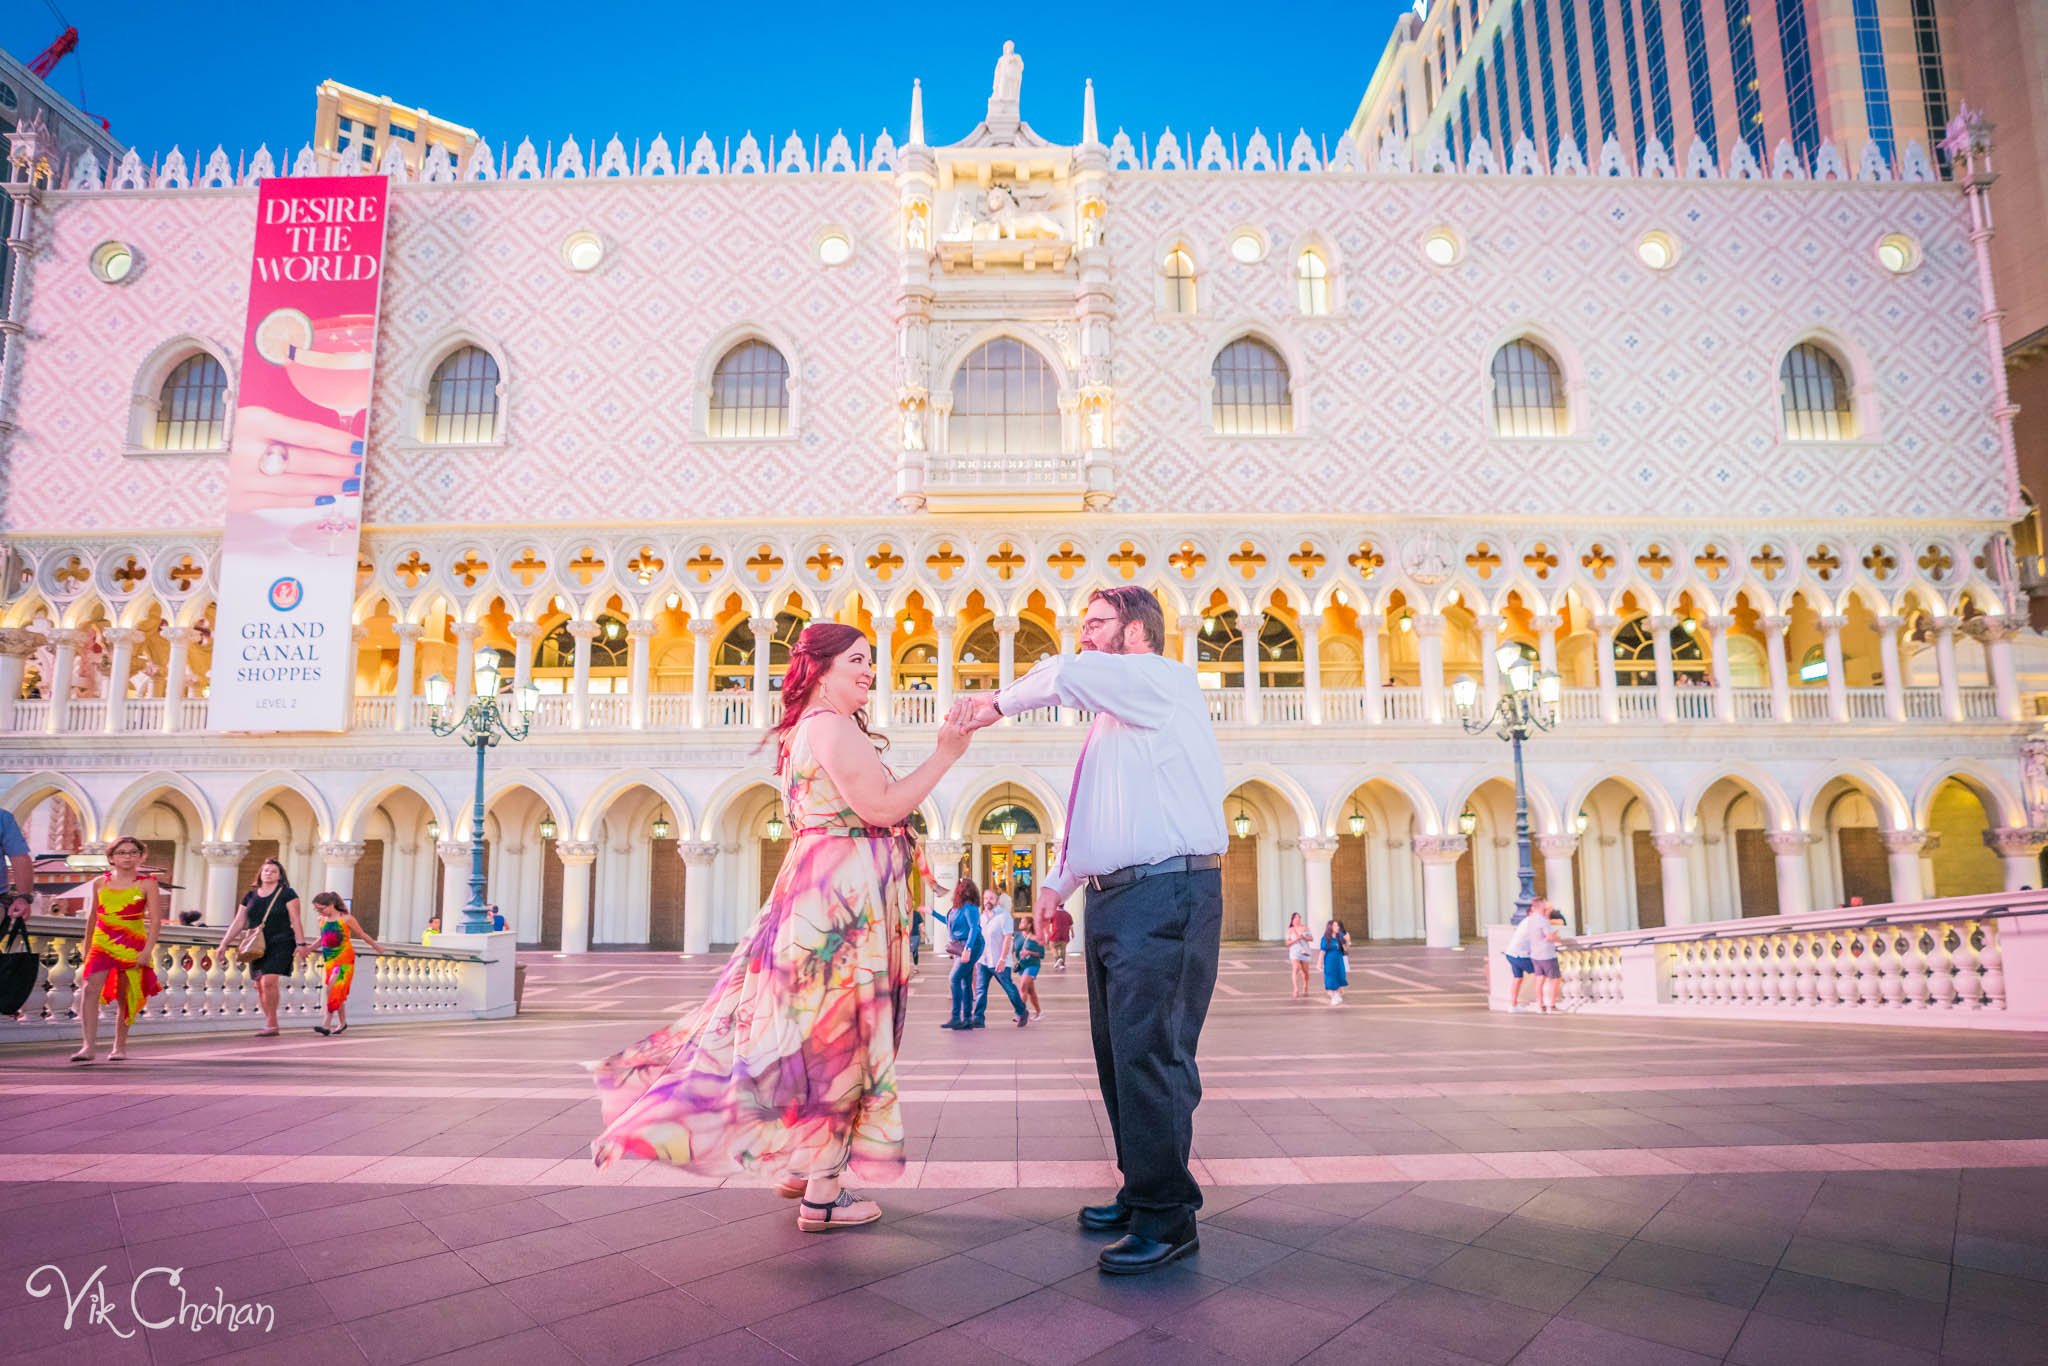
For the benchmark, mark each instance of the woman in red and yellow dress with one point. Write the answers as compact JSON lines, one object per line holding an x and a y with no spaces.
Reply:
{"x":789,"y":1068}
{"x":120,"y":937}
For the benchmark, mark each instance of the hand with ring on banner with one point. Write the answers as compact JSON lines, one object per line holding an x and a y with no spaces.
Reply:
{"x":277,"y":461}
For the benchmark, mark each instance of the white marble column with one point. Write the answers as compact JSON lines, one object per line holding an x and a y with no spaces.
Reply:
{"x":523,"y":634}
{"x":640,"y":639}
{"x":1781,"y":674}
{"x":1660,"y":628}
{"x":177,"y":675}
{"x":764,"y":638}
{"x":2019,"y":851}
{"x":1944,"y":629}
{"x":1996,"y":635}
{"x":57,"y":687}
{"x":699,"y":860}
{"x":1556,"y":852}
{"x":1675,"y":874}
{"x":1795,"y":885}
{"x":463,"y":685}
{"x":338,"y":859}
{"x":1831,"y":652}
{"x":1070,"y":641}
{"x":884,"y":703}
{"x":1439,"y":855}
{"x":1720,"y":633}
{"x":1321,"y":901}
{"x":1489,"y":667}
{"x":578,"y":857}
{"x":407,"y":686}
{"x":700,"y":671}
{"x":1369,"y":627}
{"x":1006,"y":651}
{"x":1311,"y":668}
{"x":1429,"y":650}
{"x":1888,"y":660}
{"x":1249,"y":626}
{"x":582,"y":632}
{"x":454,"y":856}
{"x":1545,"y":627}
{"x":124,"y":639}
{"x":1902,"y":856}
{"x":16,"y":647}
{"x":1604,"y":628}
{"x":942,"y":686}
{"x":1190,"y":639}
{"x":223,"y":879}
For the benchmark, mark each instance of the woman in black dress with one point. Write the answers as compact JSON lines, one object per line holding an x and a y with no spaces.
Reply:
{"x":272,"y":904}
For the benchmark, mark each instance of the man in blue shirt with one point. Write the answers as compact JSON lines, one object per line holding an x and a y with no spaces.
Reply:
{"x":963,"y":927}
{"x":21,"y":869}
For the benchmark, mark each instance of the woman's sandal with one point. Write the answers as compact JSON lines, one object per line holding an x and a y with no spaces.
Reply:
{"x":82,"y":1055}
{"x":266,"y":1033}
{"x":791,"y":1188}
{"x":322,"y":1030}
{"x":858,"y":1212}
{"x":117,"y":1056}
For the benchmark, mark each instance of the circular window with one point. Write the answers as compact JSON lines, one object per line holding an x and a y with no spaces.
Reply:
{"x":1441,"y":246}
{"x":1657,"y":250}
{"x":113,"y":261}
{"x":1898,"y":253}
{"x":834,"y":248}
{"x":1247,"y":246}
{"x":582,"y":250}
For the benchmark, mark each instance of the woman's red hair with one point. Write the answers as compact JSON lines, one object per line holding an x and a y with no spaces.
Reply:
{"x":820,"y":644}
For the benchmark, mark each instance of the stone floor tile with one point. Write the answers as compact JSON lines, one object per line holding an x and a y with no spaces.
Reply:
{"x":1702,"y":1274}
{"x":1047,"y":1328}
{"x":1868,"y":1267}
{"x":1717,"y":1237}
{"x":955,"y":1288}
{"x":371,"y":1248}
{"x":1981,"y":1339}
{"x":1386,"y":1249}
{"x":1585,"y":1249}
{"x":1160,"y":1296}
{"x":1854,"y":1309}
{"x":1564,"y":1204}
{"x":532,"y":1347}
{"x":1539,"y":1285}
{"x":417,"y":1332}
{"x":1324,"y":1283}
{"x":1420,"y":1212}
{"x":363,"y":1293}
{"x":1574,"y":1342}
{"x":529,"y":1254}
{"x":1043,"y":1253}
{"x":1438,"y":1316}
{"x":1768,"y":1340}
{"x":488,"y":1224}
{"x":1662,"y":1316}
{"x":638,"y":1329}
{"x":1363,"y":1344}
{"x":947,"y":1347}
{"x":854,"y":1326}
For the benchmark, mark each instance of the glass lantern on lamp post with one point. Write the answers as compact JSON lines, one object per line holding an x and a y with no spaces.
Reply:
{"x":1528,"y":704}
{"x":480,"y":725}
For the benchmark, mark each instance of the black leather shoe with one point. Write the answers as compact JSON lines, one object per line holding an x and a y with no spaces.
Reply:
{"x":1110,"y":1218}
{"x":1132,"y":1255}
{"x":953,"y":1024}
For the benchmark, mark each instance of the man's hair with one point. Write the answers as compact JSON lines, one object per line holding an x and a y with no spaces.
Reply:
{"x":1133,"y":603}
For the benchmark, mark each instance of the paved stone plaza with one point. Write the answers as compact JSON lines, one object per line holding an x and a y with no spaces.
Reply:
{"x":1407,"y":1179}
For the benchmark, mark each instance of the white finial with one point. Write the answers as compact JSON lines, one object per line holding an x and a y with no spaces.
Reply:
{"x":1088,"y":135}
{"x":916,"y":114}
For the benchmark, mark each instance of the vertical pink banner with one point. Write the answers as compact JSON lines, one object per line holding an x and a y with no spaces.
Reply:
{"x":282,"y":658}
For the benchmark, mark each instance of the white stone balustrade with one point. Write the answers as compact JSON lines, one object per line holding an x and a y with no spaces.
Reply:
{"x":1958,"y":962}
{"x":459,"y":977}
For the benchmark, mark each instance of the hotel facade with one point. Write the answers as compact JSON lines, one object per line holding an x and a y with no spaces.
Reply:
{"x":1726,"y":447}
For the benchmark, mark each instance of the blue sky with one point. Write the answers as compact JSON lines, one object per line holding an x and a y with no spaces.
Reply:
{"x":196,"y":75}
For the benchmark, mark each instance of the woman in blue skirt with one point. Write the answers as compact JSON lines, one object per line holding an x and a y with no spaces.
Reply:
{"x":1336,"y":968}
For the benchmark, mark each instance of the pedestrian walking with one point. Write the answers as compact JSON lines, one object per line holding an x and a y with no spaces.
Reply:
{"x":271,"y":907}
{"x":1519,"y":961}
{"x":338,"y":932}
{"x":1336,"y":965}
{"x":998,"y":937}
{"x":1301,"y":951}
{"x":1059,"y":930}
{"x":120,"y":937}
{"x":1030,"y":956}
{"x":1543,"y":954}
{"x":964,"y":943}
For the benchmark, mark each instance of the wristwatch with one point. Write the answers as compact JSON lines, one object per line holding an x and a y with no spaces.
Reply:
{"x":996,"y":704}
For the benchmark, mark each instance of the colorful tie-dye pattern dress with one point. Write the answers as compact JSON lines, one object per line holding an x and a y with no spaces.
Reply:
{"x":338,"y":950}
{"x":789,"y":1067}
{"x":118,"y":936}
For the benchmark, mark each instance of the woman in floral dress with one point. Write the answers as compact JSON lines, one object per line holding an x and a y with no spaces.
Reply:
{"x":789,"y":1067}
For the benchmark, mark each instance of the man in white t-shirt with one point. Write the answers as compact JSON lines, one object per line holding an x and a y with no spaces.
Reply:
{"x":1520,"y":961}
{"x":1543,"y":939}
{"x":999,"y":933}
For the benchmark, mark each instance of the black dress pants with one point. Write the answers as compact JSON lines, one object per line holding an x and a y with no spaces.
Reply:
{"x":1151,"y":955}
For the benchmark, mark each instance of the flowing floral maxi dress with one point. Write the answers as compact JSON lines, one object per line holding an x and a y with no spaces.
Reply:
{"x":789,"y":1067}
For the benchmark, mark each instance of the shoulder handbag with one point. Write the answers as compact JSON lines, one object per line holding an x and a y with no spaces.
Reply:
{"x":250,"y":945}
{"x":18,"y":967}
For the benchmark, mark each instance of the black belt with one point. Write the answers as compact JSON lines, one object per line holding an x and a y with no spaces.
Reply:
{"x":1179,"y":863}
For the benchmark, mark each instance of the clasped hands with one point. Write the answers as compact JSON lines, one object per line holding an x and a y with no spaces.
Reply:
{"x":967,"y":715}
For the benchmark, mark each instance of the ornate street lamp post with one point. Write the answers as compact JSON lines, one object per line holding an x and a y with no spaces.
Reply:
{"x":480,"y":725}
{"x":1528,"y":703}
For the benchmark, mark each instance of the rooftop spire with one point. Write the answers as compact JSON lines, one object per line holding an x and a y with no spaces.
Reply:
{"x":1088,"y":134}
{"x":916,"y":114}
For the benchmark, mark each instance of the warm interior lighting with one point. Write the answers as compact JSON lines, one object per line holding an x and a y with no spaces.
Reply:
{"x":1581,"y":822}
{"x":611,"y":628}
{"x":437,"y":692}
{"x":1468,"y":821}
{"x":1406,"y":621}
{"x":661,"y":826}
{"x":1464,"y":692}
{"x":486,"y":674}
{"x":1356,"y":820}
{"x":1242,"y":822}
{"x":775,"y":827}
{"x":433,"y":829}
{"x":547,"y":827}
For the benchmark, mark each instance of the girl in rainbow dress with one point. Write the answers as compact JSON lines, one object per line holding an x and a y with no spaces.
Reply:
{"x":338,"y":934}
{"x":120,"y":937}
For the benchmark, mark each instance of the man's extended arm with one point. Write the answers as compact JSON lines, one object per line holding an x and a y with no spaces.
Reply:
{"x":1132,"y":691}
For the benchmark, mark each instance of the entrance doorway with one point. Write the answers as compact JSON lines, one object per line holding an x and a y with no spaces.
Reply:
{"x":1009,"y":851}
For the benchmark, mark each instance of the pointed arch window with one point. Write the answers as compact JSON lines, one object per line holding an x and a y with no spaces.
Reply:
{"x":462,"y":400}
{"x":1814,"y":394}
{"x":1312,"y":283}
{"x":1219,"y":652}
{"x":1006,"y":401}
{"x":1528,"y":391}
{"x":733,"y":664}
{"x":750,"y":392}
{"x":1251,"y":390}
{"x":1177,"y":282}
{"x":192,"y":406}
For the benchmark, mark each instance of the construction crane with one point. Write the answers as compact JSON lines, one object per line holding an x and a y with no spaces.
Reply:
{"x":66,"y":44}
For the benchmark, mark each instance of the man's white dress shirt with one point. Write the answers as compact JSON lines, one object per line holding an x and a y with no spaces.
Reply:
{"x":1149,"y":782}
